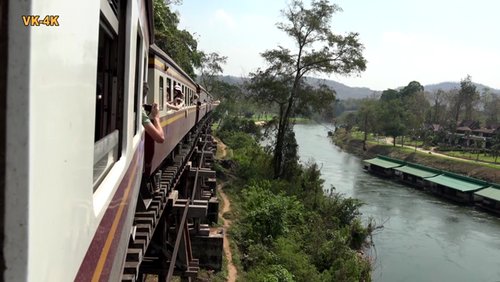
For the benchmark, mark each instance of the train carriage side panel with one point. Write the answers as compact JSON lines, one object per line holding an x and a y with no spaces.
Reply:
{"x":59,"y":81}
{"x":62,"y":92}
{"x":15,"y":51}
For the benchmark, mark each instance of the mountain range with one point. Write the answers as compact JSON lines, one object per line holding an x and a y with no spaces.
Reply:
{"x":348,"y":92}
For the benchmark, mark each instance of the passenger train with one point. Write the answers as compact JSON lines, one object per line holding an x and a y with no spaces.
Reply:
{"x":73,"y":150}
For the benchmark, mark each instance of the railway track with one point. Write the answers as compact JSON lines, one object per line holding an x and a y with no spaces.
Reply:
{"x":182,"y":203}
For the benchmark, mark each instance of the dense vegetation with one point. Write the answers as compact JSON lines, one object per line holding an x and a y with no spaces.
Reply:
{"x":431,"y":119}
{"x":289,"y":229}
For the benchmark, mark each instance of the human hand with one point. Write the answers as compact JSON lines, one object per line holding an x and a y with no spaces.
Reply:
{"x":154,"y":111}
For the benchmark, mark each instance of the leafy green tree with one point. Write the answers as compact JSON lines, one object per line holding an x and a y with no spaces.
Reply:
{"x":491,"y":105}
{"x":178,"y":44}
{"x":468,"y":95}
{"x":392,"y":117}
{"x":313,"y":101}
{"x":389,"y":94}
{"x":367,"y":118}
{"x":211,"y":68}
{"x":267,"y":216}
{"x":412,"y":88}
{"x":438,"y":108}
{"x":416,"y":106}
{"x":318,"y":50}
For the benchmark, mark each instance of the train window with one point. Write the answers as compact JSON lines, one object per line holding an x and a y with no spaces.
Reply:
{"x":107,"y":111}
{"x":115,"y":5}
{"x":169,"y":90}
{"x":138,"y":84}
{"x":161,"y":93}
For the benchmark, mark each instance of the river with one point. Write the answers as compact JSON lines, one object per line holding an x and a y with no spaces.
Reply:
{"x":424,"y":238}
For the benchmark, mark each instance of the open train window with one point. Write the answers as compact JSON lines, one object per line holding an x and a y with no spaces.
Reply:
{"x":169,"y":90}
{"x":108,"y":110}
{"x":137,"y":83}
{"x":161,"y":93}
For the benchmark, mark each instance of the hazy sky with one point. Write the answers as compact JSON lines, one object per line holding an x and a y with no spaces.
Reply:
{"x":405,"y":40}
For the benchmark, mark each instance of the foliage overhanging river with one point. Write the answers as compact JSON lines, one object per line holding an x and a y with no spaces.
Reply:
{"x":424,"y":238}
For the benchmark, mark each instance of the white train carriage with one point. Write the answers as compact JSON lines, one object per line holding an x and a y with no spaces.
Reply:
{"x":72,"y":157}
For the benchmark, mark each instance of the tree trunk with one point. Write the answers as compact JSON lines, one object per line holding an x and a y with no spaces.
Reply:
{"x":278,"y":149}
{"x":365,"y":137}
{"x":394,"y":141}
{"x":402,"y":141}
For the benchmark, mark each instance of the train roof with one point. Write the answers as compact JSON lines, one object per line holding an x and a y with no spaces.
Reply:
{"x":155,"y":50}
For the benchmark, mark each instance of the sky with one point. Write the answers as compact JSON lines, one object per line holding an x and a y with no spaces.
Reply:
{"x":429,"y":41}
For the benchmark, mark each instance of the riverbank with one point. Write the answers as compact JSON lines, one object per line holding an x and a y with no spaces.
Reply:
{"x":262,"y":120}
{"x":424,"y":238}
{"x":288,"y":229}
{"x":483,"y":171}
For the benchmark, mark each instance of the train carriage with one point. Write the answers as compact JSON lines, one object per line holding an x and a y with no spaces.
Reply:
{"x":73,"y":156}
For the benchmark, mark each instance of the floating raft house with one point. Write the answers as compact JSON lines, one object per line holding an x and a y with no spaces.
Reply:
{"x":449,"y":185}
{"x":415,"y":174}
{"x":456,"y":187}
{"x":488,"y":198}
{"x":383,"y":166}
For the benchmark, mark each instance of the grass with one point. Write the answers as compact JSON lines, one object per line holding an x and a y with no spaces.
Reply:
{"x":360,"y":135}
{"x":268,"y":117}
{"x":485,"y":159}
{"x":471,"y":156}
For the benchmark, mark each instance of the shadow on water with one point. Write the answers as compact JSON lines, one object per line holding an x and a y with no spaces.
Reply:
{"x":424,"y":238}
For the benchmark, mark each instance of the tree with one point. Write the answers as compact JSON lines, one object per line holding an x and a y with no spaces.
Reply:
{"x":437,"y":108}
{"x":211,"y":67}
{"x":412,"y":88}
{"x":178,"y":44}
{"x":318,"y":50}
{"x":491,"y":105}
{"x":389,"y":94}
{"x":392,"y":116}
{"x":367,"y":118}
{"x":312,"y":101}
{"x":468,"y":96}
{"x":415,"y":105}
{"x":231,"y":98}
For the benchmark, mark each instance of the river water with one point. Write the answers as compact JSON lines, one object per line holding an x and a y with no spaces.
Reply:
{"x":424,"y":238}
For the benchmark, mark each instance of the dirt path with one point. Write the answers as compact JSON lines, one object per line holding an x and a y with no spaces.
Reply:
{"x":226,"y":207}
{"x":231,"y":269}
{"x":389,"y":141}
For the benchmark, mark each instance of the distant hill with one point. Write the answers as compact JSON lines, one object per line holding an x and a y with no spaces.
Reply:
{"x":346,"y":92}
{"x":446,"y":86}
{"x":343,"y":91}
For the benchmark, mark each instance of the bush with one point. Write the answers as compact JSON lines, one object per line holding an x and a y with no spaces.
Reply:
{"x":287,"y":229}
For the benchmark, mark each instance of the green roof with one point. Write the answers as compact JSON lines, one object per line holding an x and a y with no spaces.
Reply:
{"x":416,"y":171}
{"x":457,"y":183}
{"x":490,"y":193}
{"x":383,"y":163}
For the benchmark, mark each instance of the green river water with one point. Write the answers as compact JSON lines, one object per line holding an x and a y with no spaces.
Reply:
{"x":424,"y":237}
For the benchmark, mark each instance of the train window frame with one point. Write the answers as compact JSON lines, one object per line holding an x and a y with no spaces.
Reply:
{"x":170,"y":98}
{"x":107,"y":126}
{"x":110,"y":14}
{"x":161,"y":93}
{"x":138,"y":83}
